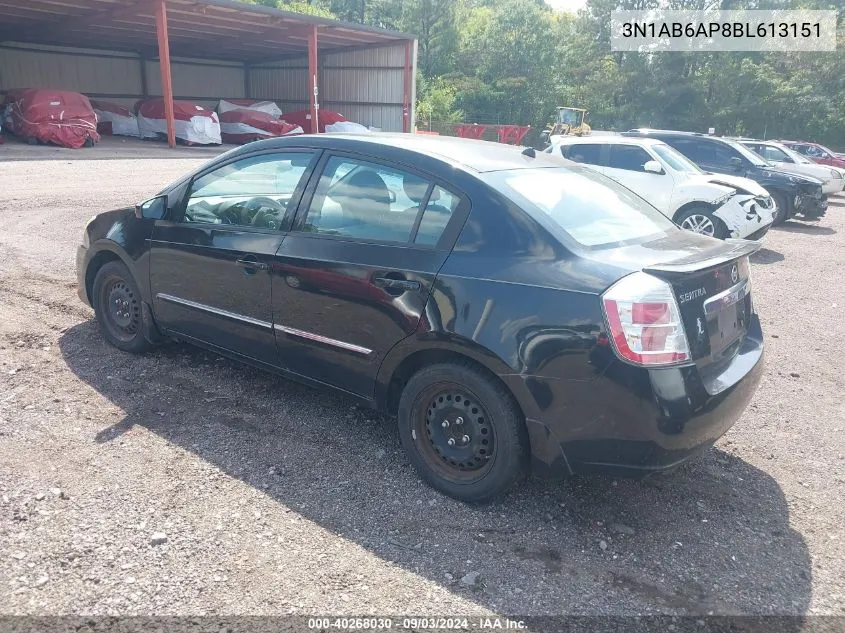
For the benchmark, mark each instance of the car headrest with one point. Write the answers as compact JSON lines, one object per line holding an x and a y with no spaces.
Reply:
{"x":415,"y":188}
{"x":363,"y":194}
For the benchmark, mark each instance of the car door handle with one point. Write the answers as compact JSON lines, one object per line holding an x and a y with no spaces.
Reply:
{"x":396,"y":284}
{"x":252,"y":263}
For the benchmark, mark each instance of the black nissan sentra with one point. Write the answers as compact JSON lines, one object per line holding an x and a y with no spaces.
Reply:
{"x":515,"y":312}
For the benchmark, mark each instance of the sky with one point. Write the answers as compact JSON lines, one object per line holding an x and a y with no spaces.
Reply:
{"x":566,"y":5}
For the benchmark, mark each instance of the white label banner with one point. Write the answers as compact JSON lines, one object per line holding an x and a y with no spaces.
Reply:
{"x":657,"y":30}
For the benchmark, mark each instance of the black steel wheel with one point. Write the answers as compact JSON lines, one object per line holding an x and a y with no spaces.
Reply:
{"x":462,"y":431}
{"x":461,"y":440}
{"x":118,"y":307}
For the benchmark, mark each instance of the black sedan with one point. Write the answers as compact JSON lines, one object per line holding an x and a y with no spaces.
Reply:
{"x":515,"y":311}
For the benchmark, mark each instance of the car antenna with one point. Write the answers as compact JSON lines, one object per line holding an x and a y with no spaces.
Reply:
{"x":530,"y":152}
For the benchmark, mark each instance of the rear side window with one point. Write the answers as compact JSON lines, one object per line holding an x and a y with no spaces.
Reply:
{"x":629,"y":157}
{"x":369,"y":201}
{"x":587,"y":153}
{"x":438,"y":211}
{"x":589,"y":208}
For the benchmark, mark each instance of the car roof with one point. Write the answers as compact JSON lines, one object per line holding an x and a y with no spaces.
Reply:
{"x":648,"y":132}
{"x":469,"y":154}
{"x":627,"y":140}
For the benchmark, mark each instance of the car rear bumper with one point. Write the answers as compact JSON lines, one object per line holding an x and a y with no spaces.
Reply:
{"x":631,"y":421}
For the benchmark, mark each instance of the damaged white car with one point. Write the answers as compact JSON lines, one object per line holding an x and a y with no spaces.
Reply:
{"x":713,"y":204}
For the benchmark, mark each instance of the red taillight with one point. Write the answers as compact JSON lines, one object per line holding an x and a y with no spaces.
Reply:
{"x":645,"y":322}
{"x":648,"y":313}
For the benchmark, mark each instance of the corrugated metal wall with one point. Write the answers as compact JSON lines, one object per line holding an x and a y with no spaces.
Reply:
{"x":285,"y":82}
{"x":199,"y":79}
{"x":365,"y":85}
{"x":82,"y":70}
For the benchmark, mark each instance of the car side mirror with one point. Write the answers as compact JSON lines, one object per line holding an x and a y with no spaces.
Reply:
{"x":152,"y":209}
{"x":736,"y":163}
{"x":653,"y":167}
{"x":391,"y":195}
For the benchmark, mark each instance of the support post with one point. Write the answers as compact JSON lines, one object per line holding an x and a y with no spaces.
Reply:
{"x":164,"y":64}
{"x":406,"y":88}
{"x":313,"y":80}
{"x":145,"y":91}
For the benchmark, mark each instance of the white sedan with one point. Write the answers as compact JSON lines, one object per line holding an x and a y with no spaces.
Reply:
{"x":787,"y":159}
{"x":713,"y":204}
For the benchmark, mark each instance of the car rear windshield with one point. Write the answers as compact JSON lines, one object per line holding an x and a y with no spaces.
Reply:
{"x":591,"y":209}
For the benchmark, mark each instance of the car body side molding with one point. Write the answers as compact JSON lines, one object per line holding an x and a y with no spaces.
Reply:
{"x":358,"y":349}
{"x":213,"y":310}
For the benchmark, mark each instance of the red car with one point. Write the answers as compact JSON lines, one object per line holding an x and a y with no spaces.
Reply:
{"x":818,"y":153}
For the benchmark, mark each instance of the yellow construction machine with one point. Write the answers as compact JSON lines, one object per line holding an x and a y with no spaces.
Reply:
{"x":570,"y":121}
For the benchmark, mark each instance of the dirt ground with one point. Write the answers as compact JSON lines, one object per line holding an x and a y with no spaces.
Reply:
{"x":182,"y":483}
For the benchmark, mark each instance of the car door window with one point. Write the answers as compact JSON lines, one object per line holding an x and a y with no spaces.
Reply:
{"x":365,"y":200}
{"x":774,"y":154}
{"x":628,"y":157}
{"x":253,"y":191}
{"x":695,"y":151}
{"x":587,"y":153}
{"x":724,"y":154}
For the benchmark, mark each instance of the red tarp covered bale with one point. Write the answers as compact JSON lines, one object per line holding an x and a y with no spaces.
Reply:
{"x":302,"y":118}
{"x":113,"y":118}
{"x":61,"y":117}
{"x":270,"y":107}
{"x":193,"y":123}
{"x":245,"y":126}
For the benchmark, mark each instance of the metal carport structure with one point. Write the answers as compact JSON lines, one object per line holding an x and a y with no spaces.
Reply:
{"x":244,"y":50}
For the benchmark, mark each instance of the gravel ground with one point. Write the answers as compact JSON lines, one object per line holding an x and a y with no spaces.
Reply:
{"x":182,"y":483}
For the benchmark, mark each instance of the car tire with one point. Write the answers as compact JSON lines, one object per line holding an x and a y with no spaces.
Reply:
{"x":118,"y":308}
{"x":462,"y":432}
{"x":782,"y":208}
{"x":700,"y":219}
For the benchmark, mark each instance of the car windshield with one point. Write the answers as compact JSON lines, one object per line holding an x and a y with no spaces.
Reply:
{"x":589,"y":208}
{"x":675,"y":159}
{"x":752,"y":157}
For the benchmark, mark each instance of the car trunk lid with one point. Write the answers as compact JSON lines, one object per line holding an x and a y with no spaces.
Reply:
{"x":713,"y":291}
